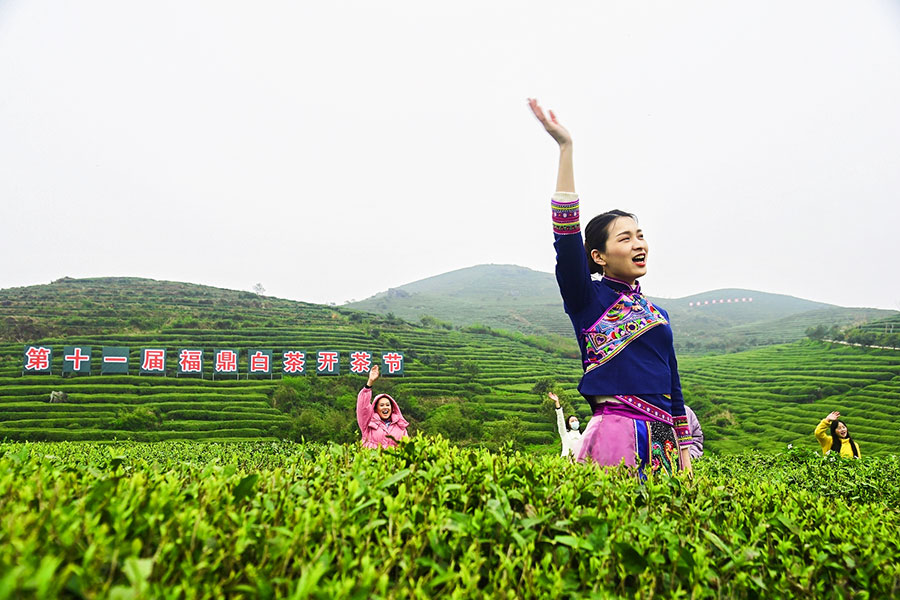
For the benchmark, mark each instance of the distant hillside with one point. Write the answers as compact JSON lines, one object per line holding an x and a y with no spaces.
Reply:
{"x":519,"y":299}
{"x":761,"y":399}
{"x":131,"y":304}
{"x":499,"y":296}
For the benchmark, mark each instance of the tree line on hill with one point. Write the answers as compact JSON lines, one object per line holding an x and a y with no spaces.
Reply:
{"x":856,"y":335}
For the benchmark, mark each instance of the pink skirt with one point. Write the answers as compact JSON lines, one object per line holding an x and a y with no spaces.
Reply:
{"x":613,"y":439}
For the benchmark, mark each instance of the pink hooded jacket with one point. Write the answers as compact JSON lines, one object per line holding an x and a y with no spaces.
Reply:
{"x":375,"y":434}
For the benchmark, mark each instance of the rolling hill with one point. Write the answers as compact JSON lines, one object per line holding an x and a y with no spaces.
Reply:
{"x":760,"y":399}
{"x":514,"y":298}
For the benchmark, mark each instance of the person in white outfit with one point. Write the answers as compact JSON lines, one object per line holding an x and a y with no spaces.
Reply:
{"x":569,"y":432}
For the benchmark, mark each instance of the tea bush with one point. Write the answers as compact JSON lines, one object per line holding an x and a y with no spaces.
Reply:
{"x":429,"y":519}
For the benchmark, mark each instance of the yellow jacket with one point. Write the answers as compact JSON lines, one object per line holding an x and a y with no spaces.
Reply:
{"x":824,"y":436}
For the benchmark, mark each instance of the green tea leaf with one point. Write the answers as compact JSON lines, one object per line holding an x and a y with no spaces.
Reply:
{"x":244,"y":488}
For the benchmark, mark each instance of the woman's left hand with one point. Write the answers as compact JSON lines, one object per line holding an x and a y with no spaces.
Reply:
{"x":374,"y":374}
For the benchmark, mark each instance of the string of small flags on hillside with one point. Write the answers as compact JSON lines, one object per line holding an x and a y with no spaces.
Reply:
{"x":699,"y":303}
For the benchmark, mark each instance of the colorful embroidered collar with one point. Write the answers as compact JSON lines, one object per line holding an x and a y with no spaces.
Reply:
{"x":621,"y":286}
{"x":629,"y":317}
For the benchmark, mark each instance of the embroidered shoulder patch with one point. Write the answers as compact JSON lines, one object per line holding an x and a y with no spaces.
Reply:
{"x":622,"y":323}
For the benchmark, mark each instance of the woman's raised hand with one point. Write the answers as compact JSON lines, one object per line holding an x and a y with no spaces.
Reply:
{"x":833,"y":416}
{"x":374,"y":374}
{"x":556,"y":131}
{"x":553,"y":397}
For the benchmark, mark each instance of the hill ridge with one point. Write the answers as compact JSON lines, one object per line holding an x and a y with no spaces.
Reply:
{"x":525,"y":300}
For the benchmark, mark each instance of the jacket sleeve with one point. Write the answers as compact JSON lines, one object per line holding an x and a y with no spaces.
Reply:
{"x":696,"y":435}
{"x":823,"y":435}
{"x":572,"y":272}
{"x":364,"y":408}
{"x":560,"y":422}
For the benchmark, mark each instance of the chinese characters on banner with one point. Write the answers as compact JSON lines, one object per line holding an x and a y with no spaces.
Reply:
{"x":360,"y":362}
{"x":225,"y":361}
{"x":37,"y":360}
{"x":293,"y":362}
{"x":259,"y":361}
{"x":77,"y":359}
{"x":153,"y":361}
{"x":328,"y":362}
{"x":115,"y":360}
{"x":190,"y":361}
{"x":393,"y":363}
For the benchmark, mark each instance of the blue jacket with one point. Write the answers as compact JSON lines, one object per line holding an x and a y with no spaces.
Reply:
{"x":625,"y":340}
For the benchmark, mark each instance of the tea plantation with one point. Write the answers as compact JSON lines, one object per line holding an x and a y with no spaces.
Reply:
{"x":761,"y":399}
{"x":442,"y":365}
{"x":429,"y":519}
{"x":767,"y":398}
{"x":218,"y":504}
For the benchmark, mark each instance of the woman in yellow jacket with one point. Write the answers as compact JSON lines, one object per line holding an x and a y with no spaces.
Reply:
{"x":833,"y":435}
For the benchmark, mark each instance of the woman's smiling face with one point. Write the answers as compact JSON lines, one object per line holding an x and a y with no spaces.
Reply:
{"x":625,"y":256}
{"x":841,"y":429}
{"x":384,"y":408}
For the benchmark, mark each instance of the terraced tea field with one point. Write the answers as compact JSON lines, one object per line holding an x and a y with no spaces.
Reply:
{"x":762,"y":399}
{"x":194,"y":408}
{"x":888,"y":325}
{"x":767,"y":398}
{"x":439,"y":362}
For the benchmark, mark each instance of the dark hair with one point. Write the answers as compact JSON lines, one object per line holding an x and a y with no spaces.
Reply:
{"x":836,"y":439}
{"x":568,"y":428}
{"x":597,"y":232}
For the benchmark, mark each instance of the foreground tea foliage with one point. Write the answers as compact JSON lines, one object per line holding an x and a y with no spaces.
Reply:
{"x":191,"y":520}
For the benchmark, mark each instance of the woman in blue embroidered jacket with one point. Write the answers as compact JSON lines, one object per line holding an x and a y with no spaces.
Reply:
{"x":630,"y":372}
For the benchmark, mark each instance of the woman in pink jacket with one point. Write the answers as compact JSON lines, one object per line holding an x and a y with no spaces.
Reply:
{"x":381,"y":423}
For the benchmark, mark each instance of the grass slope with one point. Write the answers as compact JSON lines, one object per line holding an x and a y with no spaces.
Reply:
{"x":761,"y":399}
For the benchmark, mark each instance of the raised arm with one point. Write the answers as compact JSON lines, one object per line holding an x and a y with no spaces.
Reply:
{"x":364,"y":407}
{"x":572,"y":272}
{"x":560,"y":421}
{"x":822,"y":429}
{"x":565,"y":176}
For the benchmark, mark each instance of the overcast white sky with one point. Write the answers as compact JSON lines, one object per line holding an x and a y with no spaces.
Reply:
{"x":330,"y":150}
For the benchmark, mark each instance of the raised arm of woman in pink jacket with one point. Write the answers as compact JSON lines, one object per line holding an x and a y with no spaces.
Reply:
{"x":364,"y":406}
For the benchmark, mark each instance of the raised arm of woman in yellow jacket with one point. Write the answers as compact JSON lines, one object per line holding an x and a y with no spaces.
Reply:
{"x":822,"y":431}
